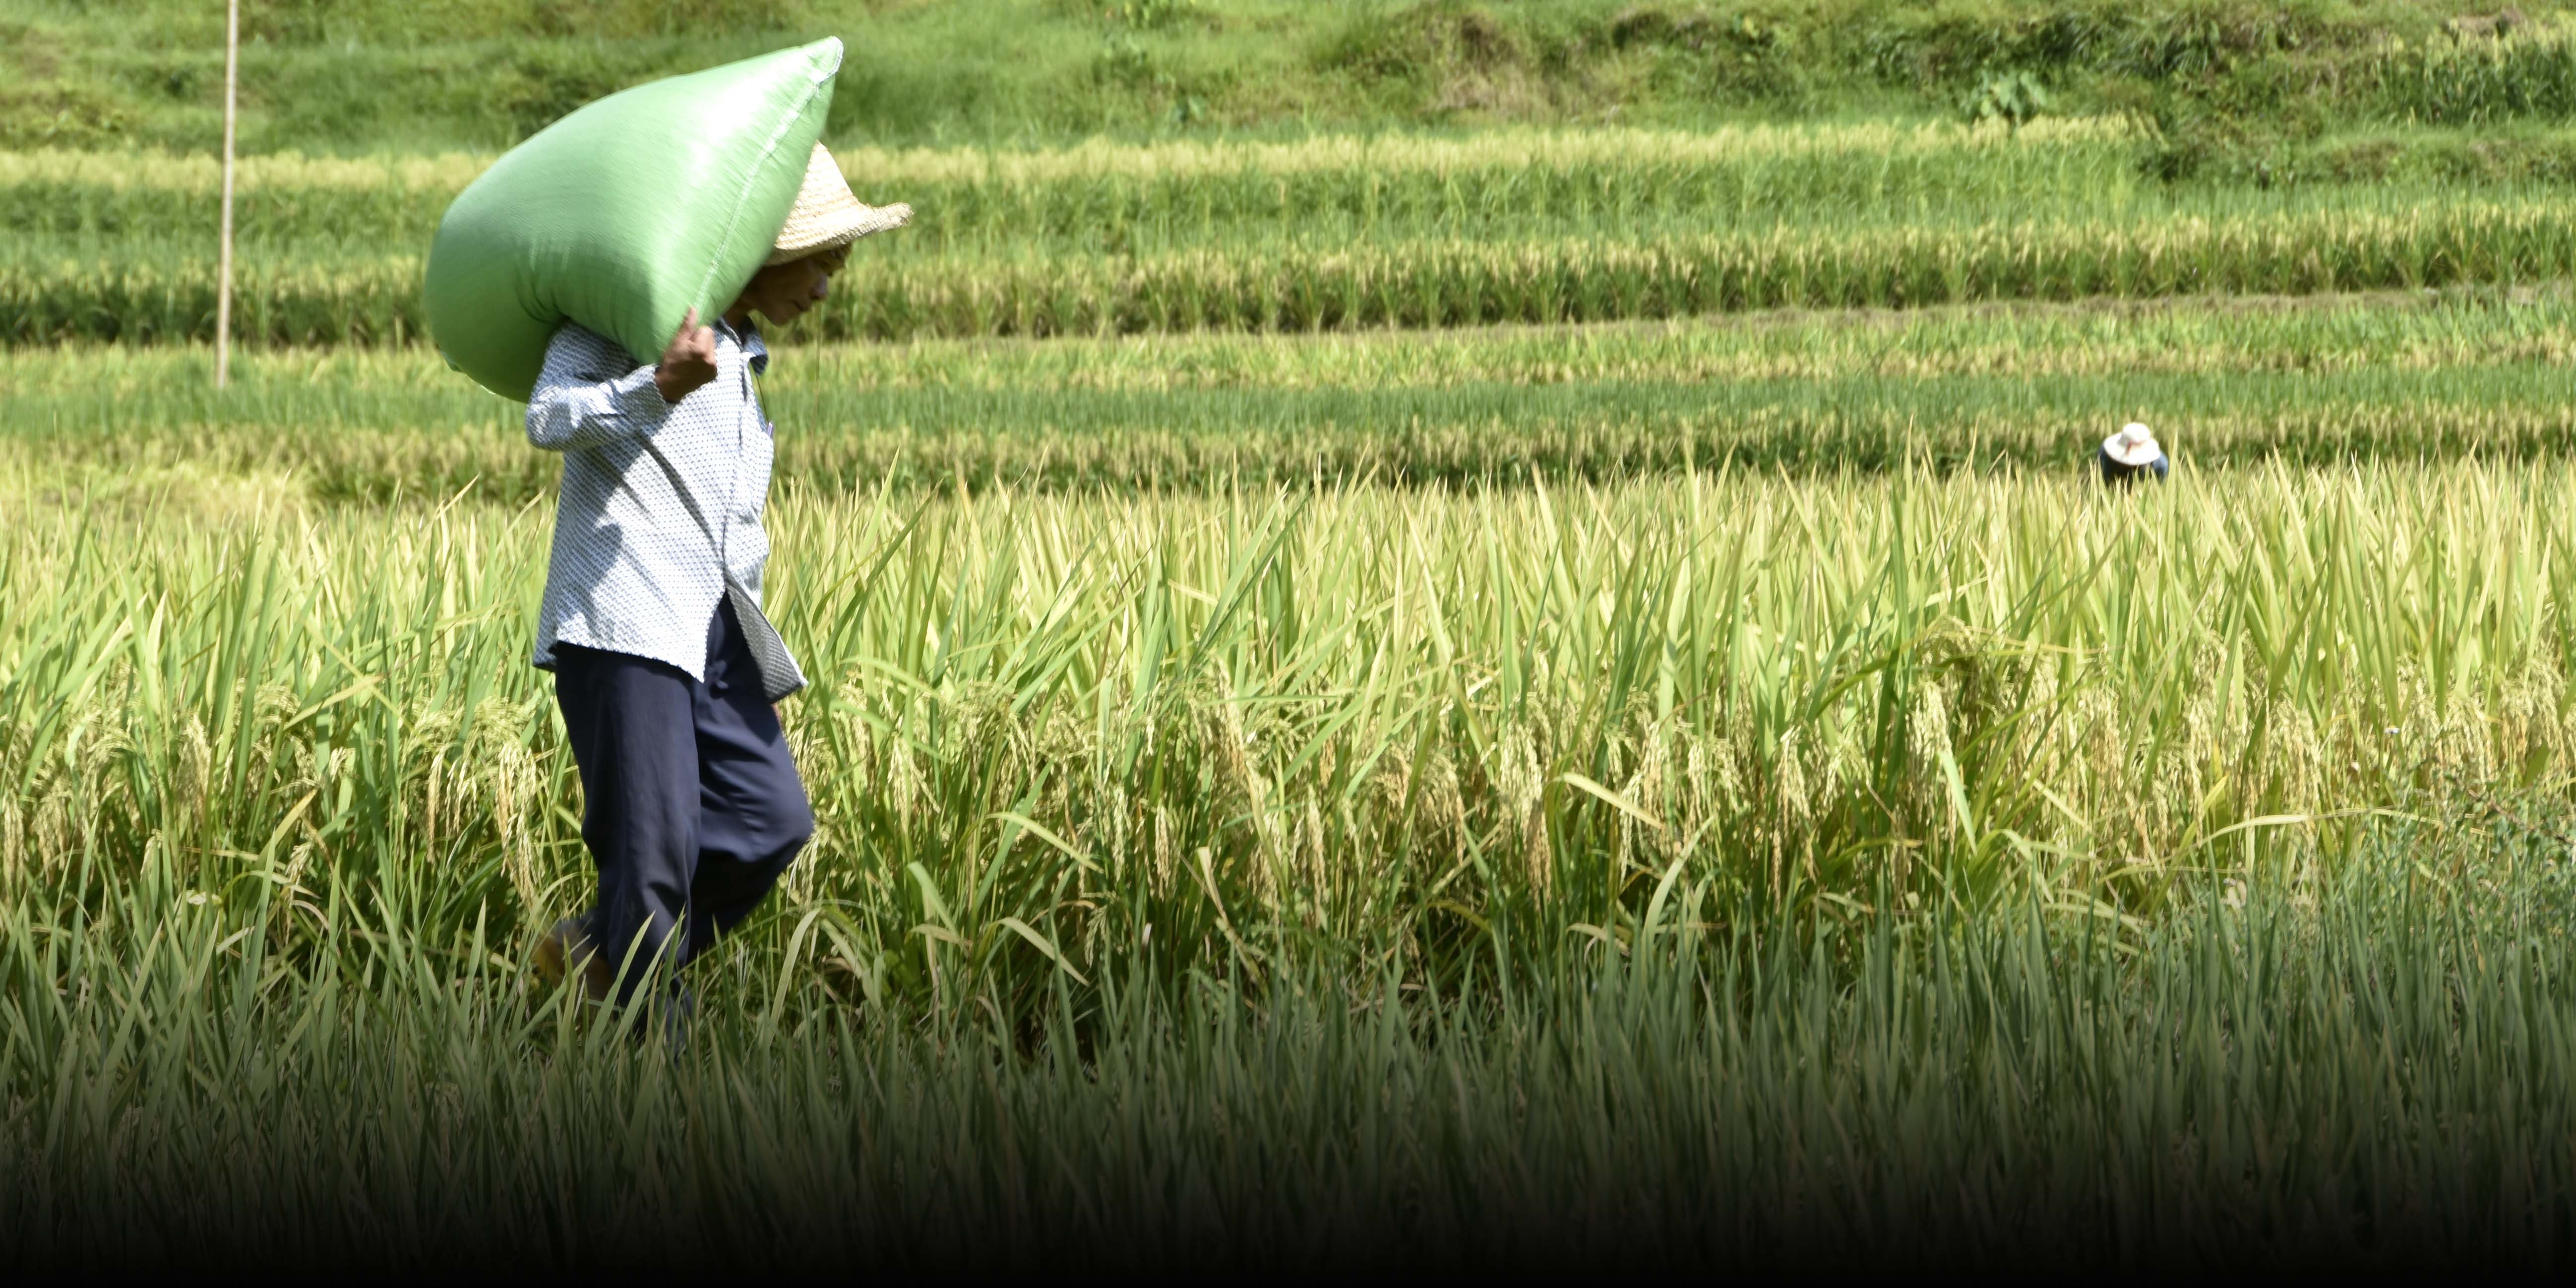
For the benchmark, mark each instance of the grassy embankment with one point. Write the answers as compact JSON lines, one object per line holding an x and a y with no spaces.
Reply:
{"x":2238,"y":85}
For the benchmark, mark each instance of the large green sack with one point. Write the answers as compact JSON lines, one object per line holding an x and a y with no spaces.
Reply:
{"x":625,"y":215}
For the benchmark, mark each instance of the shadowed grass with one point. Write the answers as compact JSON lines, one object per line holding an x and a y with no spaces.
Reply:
{"x":2367,"y":1070}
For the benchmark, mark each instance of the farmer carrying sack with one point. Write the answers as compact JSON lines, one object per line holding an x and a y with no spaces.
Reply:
{"x":625,"y":215}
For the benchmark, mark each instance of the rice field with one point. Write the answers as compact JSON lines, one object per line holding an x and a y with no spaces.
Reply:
{"x":1182,"y":194}
{"x":2311,"y":381}
{"x":1387,"y":717}
{"x":1333,"y":235}
{"x":1498,"y":700}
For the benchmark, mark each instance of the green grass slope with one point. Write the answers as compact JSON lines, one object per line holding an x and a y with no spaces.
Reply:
{"x":361,"y":75}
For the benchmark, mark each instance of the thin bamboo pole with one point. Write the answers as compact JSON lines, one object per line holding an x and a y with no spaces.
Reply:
{"x":224,"y":260}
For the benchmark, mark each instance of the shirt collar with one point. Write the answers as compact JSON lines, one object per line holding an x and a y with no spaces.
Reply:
{"x":753,"y":350}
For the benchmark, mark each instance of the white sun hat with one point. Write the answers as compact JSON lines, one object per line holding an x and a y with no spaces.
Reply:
{"x":2135,"y":444}
{"x":828,"y":215}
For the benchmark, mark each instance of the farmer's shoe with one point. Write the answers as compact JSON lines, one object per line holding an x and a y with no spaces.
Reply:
{"x":564,"y":949}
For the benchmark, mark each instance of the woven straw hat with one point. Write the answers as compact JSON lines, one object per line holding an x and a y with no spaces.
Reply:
{"x":2135,"y":444}
{"x":827,"y":215}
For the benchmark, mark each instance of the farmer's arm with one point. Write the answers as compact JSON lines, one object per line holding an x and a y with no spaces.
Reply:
{"x":586,"y":396}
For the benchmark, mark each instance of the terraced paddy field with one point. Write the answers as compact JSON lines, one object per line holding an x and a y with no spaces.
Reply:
{"x":1453,"y":701}
{"x":1334,"y":235}
{"x":2466,"y":374}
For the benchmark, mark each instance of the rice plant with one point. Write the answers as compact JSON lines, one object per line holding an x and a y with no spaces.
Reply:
{"x":1056,"y":729}
{"x":2498,"y":68}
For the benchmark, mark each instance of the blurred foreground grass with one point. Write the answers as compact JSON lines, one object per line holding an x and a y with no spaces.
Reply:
{"x":2362,"y":1072}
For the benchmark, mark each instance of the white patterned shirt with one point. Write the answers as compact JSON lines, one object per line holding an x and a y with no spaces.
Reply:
{"x":660,"y":511}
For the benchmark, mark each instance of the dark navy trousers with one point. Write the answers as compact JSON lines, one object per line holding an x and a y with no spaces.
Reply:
{"x":693,"y":808}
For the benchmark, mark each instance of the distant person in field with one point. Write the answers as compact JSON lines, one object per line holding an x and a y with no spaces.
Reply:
{"x":665,"y":668}
{"x":2132,"y":454}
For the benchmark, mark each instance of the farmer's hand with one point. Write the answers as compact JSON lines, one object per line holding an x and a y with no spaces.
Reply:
{"x":689,"y":362}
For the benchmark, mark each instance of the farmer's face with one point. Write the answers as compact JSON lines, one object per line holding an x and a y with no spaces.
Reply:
{"x":782,"y":292}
